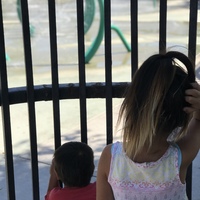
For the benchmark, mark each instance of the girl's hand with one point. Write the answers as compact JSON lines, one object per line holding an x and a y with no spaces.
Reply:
{"x":190,"y":143}
{"x":193,"y":98}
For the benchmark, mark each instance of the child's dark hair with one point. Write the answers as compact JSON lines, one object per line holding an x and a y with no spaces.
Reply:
{"x":74,"y":164}
{"x":155,"y":100}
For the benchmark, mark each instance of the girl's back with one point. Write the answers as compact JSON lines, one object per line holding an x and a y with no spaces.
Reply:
{"x":155,"y":180}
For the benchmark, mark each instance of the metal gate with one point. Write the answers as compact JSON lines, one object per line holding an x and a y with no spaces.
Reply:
{"x":82,"y":90}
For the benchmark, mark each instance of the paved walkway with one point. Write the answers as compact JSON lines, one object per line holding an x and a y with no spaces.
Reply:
{"x":67,"y":48}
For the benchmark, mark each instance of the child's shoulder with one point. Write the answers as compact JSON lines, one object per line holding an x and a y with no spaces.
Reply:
{"x":107,"y":151}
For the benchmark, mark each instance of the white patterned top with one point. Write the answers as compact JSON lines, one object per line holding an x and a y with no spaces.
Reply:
{"x":146,"y":181}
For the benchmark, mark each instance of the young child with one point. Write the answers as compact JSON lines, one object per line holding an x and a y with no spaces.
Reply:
{"x":162,"y":99}
{"x":73,"y":165}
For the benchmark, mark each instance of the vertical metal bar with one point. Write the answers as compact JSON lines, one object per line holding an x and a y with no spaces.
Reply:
{"x":134,"y":36}
{"x":30,"y":98}
{"x":5,"y":109}
{"x":192,"y":56}
{"x":189,"y":182}
{"x":108,"y":72}
{"x":54,"y":72}
{"x":163,"y":26}
{"x":193,"y":30}
{"x":81,"y":58}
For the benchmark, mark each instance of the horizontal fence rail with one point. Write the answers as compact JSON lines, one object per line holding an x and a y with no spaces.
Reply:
{"x":66,"y":91}
{"x":83,"y":90}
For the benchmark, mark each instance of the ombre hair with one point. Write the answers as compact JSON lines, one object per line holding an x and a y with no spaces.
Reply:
{"x":154,"y":102}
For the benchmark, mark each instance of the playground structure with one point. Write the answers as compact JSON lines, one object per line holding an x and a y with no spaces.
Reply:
{"x":89,"y":15}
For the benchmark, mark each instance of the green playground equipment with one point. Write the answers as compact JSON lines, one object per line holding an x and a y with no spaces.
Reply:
{"x":154,"y":3}
{"x":89,"y":14}
{"x":7,"y":57}
{"x":97,"y":41}
{"x":19,"y":13}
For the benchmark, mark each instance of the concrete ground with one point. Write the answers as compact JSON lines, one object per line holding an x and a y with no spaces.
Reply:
{"x":68,"y":73}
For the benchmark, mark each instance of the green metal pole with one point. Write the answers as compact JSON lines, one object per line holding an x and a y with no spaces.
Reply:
{"x":19,"y":13}
{"x":89,"y":13}
{"x":118,"y":31}
{"x":96,"y":43}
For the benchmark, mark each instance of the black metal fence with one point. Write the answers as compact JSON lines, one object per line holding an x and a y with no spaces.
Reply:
{"x":54,"y":92}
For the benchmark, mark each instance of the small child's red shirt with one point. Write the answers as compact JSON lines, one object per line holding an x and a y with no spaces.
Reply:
{"x":67,"y":193}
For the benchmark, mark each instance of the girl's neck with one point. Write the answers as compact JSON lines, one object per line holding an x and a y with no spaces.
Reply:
{"x":152,"y":154}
